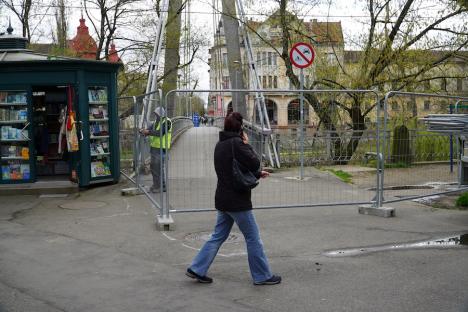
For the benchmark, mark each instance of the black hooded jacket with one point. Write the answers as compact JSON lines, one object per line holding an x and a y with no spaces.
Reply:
{"x":226,"y":198}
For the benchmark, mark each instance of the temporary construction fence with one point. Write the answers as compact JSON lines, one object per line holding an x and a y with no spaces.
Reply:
{"x":344,"y":131}
{"x":417,"y":161}
{"x":192,"y":180}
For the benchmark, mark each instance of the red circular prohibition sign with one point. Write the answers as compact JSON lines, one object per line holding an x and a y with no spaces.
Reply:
{"x":302,"y":55}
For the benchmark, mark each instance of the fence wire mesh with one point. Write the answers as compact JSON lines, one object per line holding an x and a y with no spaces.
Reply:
{"x":343,"y":133}
{"x":333,"y":153}
{"x":127,"y":134}
{"x":418,"y":162}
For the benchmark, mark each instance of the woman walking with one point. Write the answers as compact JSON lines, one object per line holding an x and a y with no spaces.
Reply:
{"x":234,"y":206}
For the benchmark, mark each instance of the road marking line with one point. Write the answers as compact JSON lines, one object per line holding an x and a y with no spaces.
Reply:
{"x":168,"y":237}
{"x":190,"y":247}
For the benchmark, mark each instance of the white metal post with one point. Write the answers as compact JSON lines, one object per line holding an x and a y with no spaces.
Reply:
{"x":302,"y":122}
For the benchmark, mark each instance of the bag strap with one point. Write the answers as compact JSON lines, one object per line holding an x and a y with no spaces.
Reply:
{"x":232,"y":148}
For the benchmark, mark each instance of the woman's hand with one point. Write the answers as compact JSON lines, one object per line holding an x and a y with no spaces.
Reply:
{"x":264,"y":174}
{"x":244,"y":138}
{"x":144,"y":131}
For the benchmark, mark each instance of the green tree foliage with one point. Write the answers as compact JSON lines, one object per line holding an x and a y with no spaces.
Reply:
{"x":396,"y":53}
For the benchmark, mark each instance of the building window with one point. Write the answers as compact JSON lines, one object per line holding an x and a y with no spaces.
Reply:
{"x":269,"y":58}
{"x":225,"y":59}
{"x":459,"y":84}
{"x":264,"y":81}
{"x":411,"y":107}
{"x":427,"y":105}
{"x":271,"y":111}
{"x":259,"y":58}
{"x":443,"y":84}
{"x":275,"y":82}
{"x":270,"y":82}
{"x":264,"y":57}
{"x":331,"y":59}
{"x":294,"y":112}
{"x":226,"y":82}
{"x":274,"y":62}
{"x":427,"y":85}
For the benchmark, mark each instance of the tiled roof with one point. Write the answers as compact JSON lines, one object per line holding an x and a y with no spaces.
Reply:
{"x":325,"y":32}
{"x":321,"y":32}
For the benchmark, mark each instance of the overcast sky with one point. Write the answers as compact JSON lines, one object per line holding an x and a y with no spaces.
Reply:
{"x":201,"y":18}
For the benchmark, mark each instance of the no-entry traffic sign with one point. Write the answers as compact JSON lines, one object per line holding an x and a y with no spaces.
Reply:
{"x":302,"y":55}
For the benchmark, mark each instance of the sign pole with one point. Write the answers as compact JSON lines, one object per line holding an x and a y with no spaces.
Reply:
{"x":302,"y":123}
{"x":302,"y":55}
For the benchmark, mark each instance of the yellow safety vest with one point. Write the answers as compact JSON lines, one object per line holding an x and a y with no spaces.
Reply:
{"x":165,"y":140}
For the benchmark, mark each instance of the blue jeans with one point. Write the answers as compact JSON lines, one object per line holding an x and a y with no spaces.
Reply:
{"x":245,"y":220}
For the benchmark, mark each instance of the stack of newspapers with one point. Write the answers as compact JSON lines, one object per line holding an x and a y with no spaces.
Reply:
{"x":450,"y":123}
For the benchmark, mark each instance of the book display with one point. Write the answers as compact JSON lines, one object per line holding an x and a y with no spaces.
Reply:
{"x":48,"y":114}
{"x":14,"y":136}
{"x":99,"y":132}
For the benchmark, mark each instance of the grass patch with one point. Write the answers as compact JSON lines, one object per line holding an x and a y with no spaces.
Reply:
{"x":373,"y":164}
{"x":343,"y":175}
{"x":462,"y":200}
{"x":397,"y":165}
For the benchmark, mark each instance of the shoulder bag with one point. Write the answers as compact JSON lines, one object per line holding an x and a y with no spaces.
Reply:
{"x":243,"y":178}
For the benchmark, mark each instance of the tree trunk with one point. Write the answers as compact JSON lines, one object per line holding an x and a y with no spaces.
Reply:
{"x":231,"y":33}
{"x":171,"y":54}
{"x":26,"y":15}
{"x":62,"y":26}
{"x":358,"y":126}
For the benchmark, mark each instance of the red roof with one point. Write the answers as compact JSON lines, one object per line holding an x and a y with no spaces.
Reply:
{"x":83,"y":44}
{"x":113,"y":56}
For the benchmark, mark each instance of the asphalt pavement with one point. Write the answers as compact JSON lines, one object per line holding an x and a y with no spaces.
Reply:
{"x":99,"y":251}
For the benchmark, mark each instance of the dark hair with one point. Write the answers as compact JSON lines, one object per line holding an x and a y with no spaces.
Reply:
{"x":233,"y":122}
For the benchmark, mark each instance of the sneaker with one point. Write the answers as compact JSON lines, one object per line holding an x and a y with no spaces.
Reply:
{"x":275,"y":279}
{"x":201,"y":279}
{"x":154,"y":189}
{"x":157,"y":189}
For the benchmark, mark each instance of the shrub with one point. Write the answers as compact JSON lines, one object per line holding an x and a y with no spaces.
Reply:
{"x":401,"y":151}
{"x":462,"y":200}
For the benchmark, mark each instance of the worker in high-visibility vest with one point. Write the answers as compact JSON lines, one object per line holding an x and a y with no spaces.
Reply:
{"x":160,"y":133}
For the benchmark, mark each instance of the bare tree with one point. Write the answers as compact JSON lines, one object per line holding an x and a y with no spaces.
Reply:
{"x":30,"y":14}
{"x":61,"y":24}
{"x":112,"y":14}
{"x":22,"y":10}
{"x":172,"y":50}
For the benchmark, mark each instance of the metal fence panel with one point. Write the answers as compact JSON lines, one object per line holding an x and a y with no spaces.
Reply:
{"x":418,"y":162}
{"x":192,"y":179}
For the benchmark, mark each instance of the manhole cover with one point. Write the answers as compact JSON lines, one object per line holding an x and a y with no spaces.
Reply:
{"x":204,"y":236}
{"x":83,"y":205}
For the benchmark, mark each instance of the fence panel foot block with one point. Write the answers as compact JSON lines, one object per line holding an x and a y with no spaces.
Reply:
{"x":386,"y":212}
{"x":131,"y":191}
{"x":165,"y":223}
